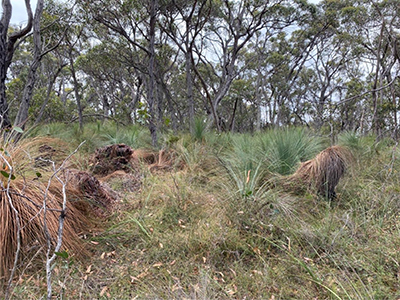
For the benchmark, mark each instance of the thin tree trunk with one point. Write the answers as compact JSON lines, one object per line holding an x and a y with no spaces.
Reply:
{"x":258,"y":100}
{"x":48,"y":93}
{"x":375,"y":96}
{"x":189,"y":83}
{"x":232,"y":121}
{"x":22,"y":115}
{"x":76,"y":91}
{"x":151,"y":86}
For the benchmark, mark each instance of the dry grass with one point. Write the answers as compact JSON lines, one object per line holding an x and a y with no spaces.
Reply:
{"x":158,"y":160}
{"x":322,"y":173}
{"x":28,"y":202}
{"x":27,"y":199}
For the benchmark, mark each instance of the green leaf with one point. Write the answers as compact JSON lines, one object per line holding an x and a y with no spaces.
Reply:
{"x":63,"y":254}
{"x":39,"y":175}
{"x":18,"y":129}
{"x":7,"y":175}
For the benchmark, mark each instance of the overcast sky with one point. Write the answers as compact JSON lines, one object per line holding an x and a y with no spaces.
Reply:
{"x":19,"y":11}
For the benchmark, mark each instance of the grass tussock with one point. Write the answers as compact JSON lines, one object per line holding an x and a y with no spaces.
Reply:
{"x":31,"y":209}
{"x":323,"y":172}
{"x":26,"y":203}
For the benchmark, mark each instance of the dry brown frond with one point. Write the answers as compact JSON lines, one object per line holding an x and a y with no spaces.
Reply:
{"x":322,"y":173}
{"x":145,"y":155}
{"x":28,"y":201}
{"x":167,"y":159}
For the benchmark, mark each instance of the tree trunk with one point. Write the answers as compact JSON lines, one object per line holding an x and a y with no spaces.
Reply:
{"x":76,"y":91}
{"x":5,"y":20}
{"x":7,"y":51}
{"x":22,"y":115}
{"x":151,"y":86}
{"x":375,"y":95}
{"x":189,"y":82}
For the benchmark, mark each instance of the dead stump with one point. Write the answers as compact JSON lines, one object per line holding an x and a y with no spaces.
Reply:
{"x":101,"y":199}
{"x":112,"y":158}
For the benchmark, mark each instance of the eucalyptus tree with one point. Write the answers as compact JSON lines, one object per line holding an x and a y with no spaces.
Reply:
{"x":373,"y":28}
{"x":278,"y":62}
{"x":38,"y":53}
{"x":50,"y":25}
{"x":51,"y":22}
{"x":331,"y":60}
{"x":134,"y":21}
{"x":51,"y":68}
{"x":111,"y":80}
{"x":8,"y":44}
{"x":183,"y":22}
{"x":387,"y":70}
{"x":231,"y":30}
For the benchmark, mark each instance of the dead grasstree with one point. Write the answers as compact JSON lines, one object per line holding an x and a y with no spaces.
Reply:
{"x":99,"y":199}
{"x":111,"y":158}
{"x":37,"y":220}
{"x":28,"y":202}
{"x":120,"y":157}
{"x":321,"y":174}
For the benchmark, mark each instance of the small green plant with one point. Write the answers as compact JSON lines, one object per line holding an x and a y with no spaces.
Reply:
{"x":286,"y":148}
{"x":199,"y":128}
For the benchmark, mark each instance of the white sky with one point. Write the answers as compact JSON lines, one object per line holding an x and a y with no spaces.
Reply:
{"x":19,"y":11}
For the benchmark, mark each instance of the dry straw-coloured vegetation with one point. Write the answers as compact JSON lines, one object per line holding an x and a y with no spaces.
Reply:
{"x":322,"y":173}
{"x":209,"y":224}
{"x":30,"y":212}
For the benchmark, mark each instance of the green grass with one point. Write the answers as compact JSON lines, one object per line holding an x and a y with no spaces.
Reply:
{"x":214,"y":230}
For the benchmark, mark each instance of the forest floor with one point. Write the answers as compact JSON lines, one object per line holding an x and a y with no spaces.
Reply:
{"x":186,"y":222}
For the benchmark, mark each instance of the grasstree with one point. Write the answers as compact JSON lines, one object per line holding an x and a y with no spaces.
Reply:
{"x":322,"y":173}
{"x":111,"y":158}
{"x":35,"y":215}
{"x":100,"y":200}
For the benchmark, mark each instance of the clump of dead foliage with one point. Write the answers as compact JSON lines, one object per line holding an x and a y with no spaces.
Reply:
{"x":111,"y":158}
{"x":31,"y":203}
{"x":23,"y":212}
{"x":322,"y":173}
{"x":22,"y":199}
{"x":100,"y":198}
